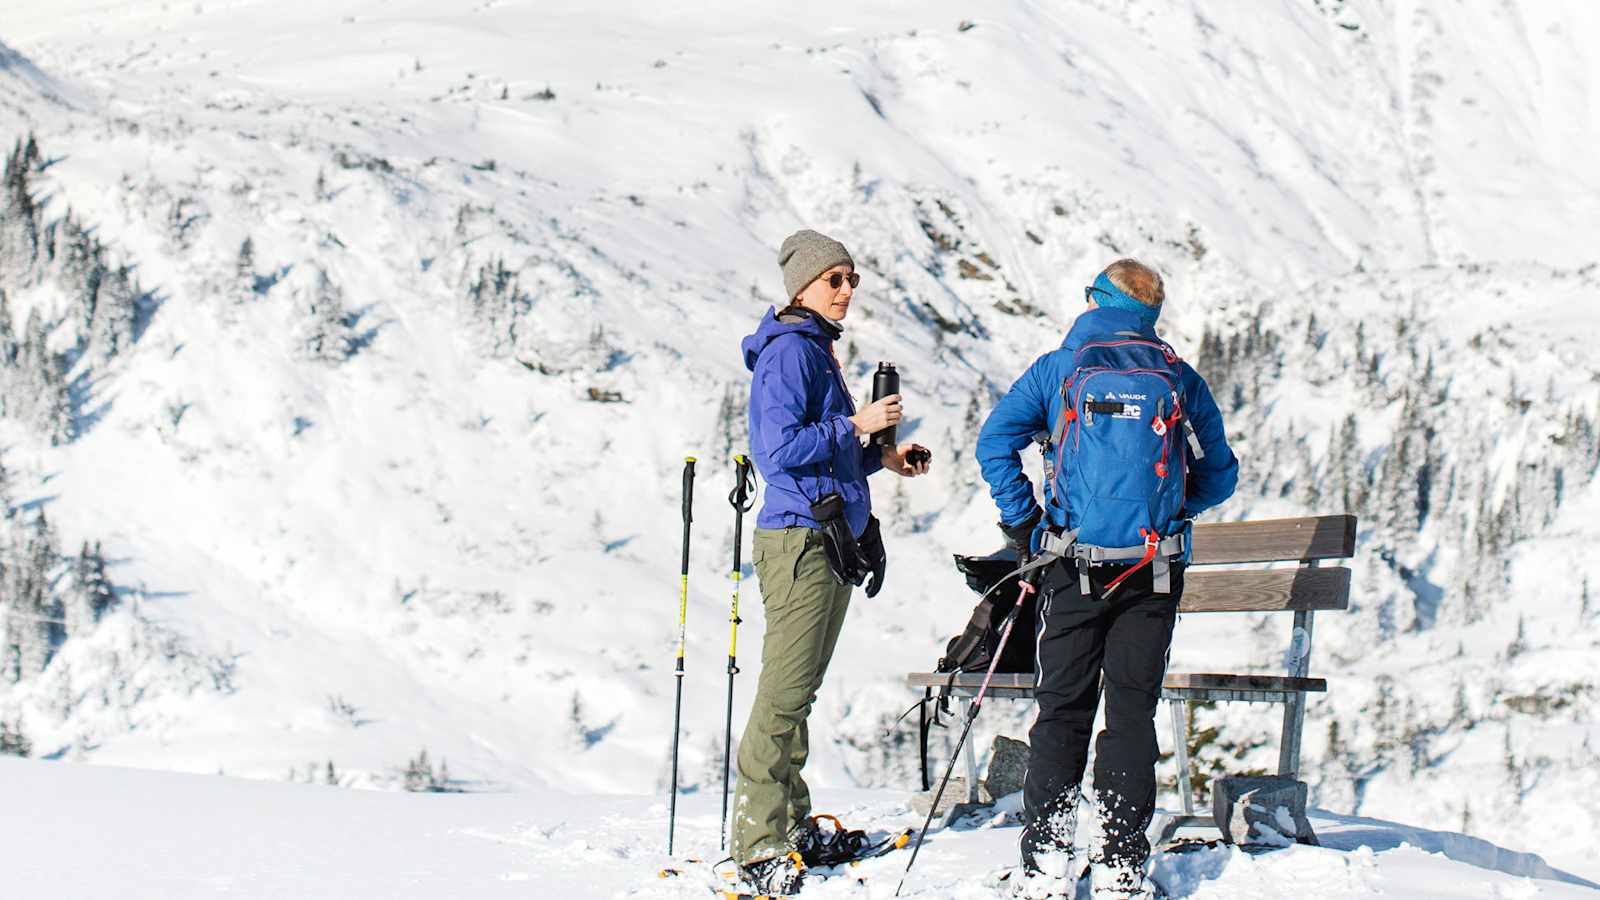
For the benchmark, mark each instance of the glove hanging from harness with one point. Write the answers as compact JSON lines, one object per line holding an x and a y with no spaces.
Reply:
{"x":871,"y":544}
{"x":845,"y":559}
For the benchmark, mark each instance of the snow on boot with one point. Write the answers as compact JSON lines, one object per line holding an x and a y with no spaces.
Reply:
{"x":776,"y":876}
{"x":805,"y":838}
{"x":1119,"y":881}
{"x":1054,"y":879}
{"x":1049,"y":860}
{"x":1049,"y":834}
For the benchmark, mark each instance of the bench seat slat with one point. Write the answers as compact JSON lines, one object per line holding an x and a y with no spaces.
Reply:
{"x":1275,"y":540}
{"x":1266,"y":590}
{"x":1176,"y":680}
{"x":970,"y":679}
{"x":1248,"y":682}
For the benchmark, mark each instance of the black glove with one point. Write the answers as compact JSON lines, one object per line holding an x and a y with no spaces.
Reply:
{"x":845,"y":561}
{"x":871,"y":543}
{"x":1019,"y":537}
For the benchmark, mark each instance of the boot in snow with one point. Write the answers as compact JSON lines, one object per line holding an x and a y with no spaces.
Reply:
{"x":776,"y":876}
{"x":1049,"y":833}
{"x":1054,"y":882}
{"x":1049,"y":862}
{"x":1113,"y":881}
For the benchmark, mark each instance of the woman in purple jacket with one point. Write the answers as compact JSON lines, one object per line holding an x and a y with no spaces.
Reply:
{"x":807,"y":439}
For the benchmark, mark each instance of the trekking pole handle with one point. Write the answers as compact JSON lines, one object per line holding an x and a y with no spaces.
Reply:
{"x":688,"y":489}
{"x":743,"y":483}
{"x":740,"y":499}
{"x":683,"y":596}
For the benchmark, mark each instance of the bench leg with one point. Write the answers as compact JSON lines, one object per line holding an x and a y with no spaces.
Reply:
{"x":1294,"y":711}
{"x":971,"y":756}
{"x":1180,"y":753}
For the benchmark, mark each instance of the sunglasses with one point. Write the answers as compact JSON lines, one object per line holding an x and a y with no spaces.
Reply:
{"x":1089,"y":292}
{"x":839,"y":278}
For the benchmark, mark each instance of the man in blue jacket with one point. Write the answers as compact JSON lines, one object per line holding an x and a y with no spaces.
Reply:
{"x":807,"y":439}
{"x":1101,"y":628}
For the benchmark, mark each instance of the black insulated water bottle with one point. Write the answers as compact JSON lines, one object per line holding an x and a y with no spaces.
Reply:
{"x":885,"y":382}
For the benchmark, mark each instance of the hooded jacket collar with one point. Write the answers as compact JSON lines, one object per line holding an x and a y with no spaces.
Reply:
{"x":796,"y":320}
{"x":1102,"y":321}
{"x":794,"y":315}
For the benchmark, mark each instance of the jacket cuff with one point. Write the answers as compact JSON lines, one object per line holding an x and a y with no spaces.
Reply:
{"x":871,"y":458}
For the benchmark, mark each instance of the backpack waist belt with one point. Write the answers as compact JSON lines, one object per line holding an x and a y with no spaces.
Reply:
{"x":1157,"y":554}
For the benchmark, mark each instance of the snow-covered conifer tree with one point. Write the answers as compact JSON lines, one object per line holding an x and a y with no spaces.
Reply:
{"x":495,"y":304}
{"x":325,"y":331}
{"x":116,"y":314}
{"x":13,"y":741}
{"x":19,"y":214}
{"x":89,"y":594}
{"x":243,"y":288}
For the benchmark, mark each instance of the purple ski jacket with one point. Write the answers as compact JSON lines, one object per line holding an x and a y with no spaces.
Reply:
{"x":801,"y":439}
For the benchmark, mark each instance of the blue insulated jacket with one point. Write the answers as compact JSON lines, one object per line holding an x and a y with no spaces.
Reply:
{"x":801,"y":438}
{"x":1034,"y":404}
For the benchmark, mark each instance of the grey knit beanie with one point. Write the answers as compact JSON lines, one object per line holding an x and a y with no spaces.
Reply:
{"x":807,"y":254}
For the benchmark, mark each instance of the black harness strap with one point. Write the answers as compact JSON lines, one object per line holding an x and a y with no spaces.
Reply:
{"x":922,"y":733}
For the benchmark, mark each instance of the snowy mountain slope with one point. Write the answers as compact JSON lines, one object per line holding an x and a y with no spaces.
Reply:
{"x":312,"y":841}
{"x":22,"y":78}
{"x":386,"y":509}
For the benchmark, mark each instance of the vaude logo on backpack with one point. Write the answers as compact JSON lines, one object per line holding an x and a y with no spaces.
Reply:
{"x":1119,"y":460}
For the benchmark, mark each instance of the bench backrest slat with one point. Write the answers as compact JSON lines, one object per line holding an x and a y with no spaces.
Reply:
{"x":1265,"y":590}
{"x":1275,"y":540}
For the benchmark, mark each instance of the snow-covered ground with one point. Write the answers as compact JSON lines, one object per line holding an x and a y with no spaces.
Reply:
{"x":362,"y":493}
{"x":176,"y":835}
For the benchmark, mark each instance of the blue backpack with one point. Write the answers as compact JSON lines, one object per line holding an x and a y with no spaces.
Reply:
{"x":1119,"y":465}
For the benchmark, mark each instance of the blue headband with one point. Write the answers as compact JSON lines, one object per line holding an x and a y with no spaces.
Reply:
{"x":1109,"y":295}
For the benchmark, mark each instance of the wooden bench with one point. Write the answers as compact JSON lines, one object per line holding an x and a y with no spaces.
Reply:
{"x":1304,"y":590}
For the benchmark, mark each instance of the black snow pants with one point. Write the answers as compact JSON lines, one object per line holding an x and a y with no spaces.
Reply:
{"x":1086,"y":645}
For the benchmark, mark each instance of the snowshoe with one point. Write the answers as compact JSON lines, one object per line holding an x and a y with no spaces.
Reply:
{"x":767,"y":879}
{"x":674,"y":871}
{"x":823,"y":847}
{"x":1189,"y":845}
{"x":888,"y":845}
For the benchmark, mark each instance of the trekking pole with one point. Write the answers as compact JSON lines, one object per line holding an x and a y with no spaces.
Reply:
{"x":1027,"y":587}
{"x":683,"y":618}
{"x":743,"y":484}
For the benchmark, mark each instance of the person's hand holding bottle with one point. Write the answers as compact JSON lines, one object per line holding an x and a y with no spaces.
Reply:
{"x":877,"y":416}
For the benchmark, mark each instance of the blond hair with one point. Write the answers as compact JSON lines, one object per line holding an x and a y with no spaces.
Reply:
{"x":1138,"y":281}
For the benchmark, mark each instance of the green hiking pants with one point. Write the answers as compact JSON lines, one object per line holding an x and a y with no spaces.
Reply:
{"x":805,"y":609}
